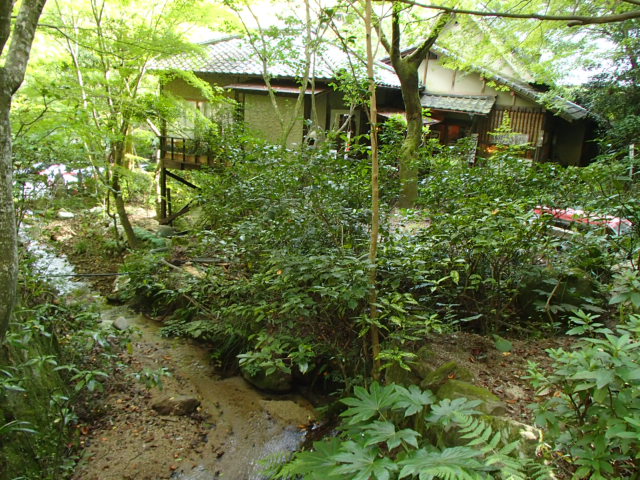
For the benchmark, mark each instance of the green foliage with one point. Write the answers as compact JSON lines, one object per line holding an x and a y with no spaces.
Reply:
{"x":288,"y":233}
{"x":613,"y":93}
{"x":57,"y":358}
{"x":391,"y":432}
{"x":54,"y":364}
{"x":481,"y":256}
{"x":591,"y":399}
{"x":152,"y":378}
{"x":277,"y":353}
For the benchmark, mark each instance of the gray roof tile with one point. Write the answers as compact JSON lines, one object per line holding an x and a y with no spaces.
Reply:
{"x":479,"y":104}
{"x":235,"y":56}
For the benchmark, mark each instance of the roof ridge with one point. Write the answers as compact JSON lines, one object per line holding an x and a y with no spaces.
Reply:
{"x":215,"y":41}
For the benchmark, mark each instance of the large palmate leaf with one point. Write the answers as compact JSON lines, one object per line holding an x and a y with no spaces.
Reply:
{"x":317,"y":464}
{"x":363,"y":463}
{"x":368,"y":404}
{"x":449,"y":411}
{"x":458,"y":463}
{"x":386,"y":432}
{"x":413,"y":399}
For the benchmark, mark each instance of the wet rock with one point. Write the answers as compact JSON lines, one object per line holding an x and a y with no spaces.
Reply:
{"x":276,"y":382}
{"x":121,"y":323}
{"x":288,"y":411}
{"x":175,"y":405}
{"x":491,"y":404}
{"x":445,"y":372}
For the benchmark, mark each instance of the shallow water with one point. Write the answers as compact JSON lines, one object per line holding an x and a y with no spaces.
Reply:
{"x":53,"y":267}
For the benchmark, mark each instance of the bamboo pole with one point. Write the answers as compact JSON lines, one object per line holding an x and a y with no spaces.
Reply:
{"x":375,"y":199}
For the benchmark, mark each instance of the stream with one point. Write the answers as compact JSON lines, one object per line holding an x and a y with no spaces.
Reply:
{"x":244,"y":429}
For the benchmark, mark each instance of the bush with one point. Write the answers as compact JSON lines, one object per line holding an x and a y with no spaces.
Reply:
{"x":591,"y":409}
{"x":392,"y":432}
{"x":54,"y":363}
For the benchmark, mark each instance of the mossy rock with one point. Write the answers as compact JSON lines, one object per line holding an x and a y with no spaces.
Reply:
{"x":491,"y":404}
{"x":444,"y":373}
{"x":400,"y":376}
{"x":276,"y":382}
{"x":424,"y":363}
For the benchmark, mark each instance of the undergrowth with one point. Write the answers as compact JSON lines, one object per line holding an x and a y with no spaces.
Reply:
{"x":55,"y":361}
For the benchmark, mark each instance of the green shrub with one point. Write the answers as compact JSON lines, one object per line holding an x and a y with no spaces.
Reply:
{"x":392,"y":432}
{"x":591,"y":406}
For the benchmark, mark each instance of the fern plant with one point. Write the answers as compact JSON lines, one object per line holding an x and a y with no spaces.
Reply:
{"x":392,"y":432}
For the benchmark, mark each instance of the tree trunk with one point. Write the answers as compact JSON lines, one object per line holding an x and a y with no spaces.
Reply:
{"x":116,"y":191}
{"x":11,"y":77}
{"x":375,"y":202}
{"x":406,"y":67}
{"x":409,"y":151}
{"x":8,"y":236}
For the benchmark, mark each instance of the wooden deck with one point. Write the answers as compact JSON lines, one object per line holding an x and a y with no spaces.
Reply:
{"x":185,"y":154}
{"x":180,"y":154}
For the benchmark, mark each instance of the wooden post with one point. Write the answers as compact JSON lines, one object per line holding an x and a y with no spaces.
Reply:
{"x":169,"y":206}
{"x":163,"y":192}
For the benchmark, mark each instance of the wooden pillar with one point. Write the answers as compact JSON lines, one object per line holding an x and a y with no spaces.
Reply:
{"x":163,"y":192}
{"x":169,"y":206}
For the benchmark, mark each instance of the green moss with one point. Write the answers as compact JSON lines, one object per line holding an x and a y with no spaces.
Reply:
{"x":491,"y":404}
{"x":445,"y":372}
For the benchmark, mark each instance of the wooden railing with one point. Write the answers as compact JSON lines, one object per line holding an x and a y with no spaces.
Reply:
{"x":185,"y":153}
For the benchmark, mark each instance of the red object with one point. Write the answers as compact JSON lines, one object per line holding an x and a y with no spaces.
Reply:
{"x":567,"y":216}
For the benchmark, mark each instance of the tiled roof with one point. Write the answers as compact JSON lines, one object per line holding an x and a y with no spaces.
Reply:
{"x":479,"y":104}
{"x":568,"y":110}
{"x":235,"y":56}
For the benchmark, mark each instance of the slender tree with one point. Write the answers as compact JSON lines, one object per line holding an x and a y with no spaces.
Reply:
{"x":375,"y":196}
{"x":12,"y":73}
{"x":273,"y":48}
{"x":406,"y":67}
{"x":111,"y":46}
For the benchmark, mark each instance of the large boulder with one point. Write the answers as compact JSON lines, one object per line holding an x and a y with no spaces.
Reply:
{"x":401,"y":376}
{"x":274,"y":382}
{"x":121,"y":324}
{"x":422,"y":365}
{"x":528,"y":437}
{"x":444,"y":373}
{"x":491,"y":404}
